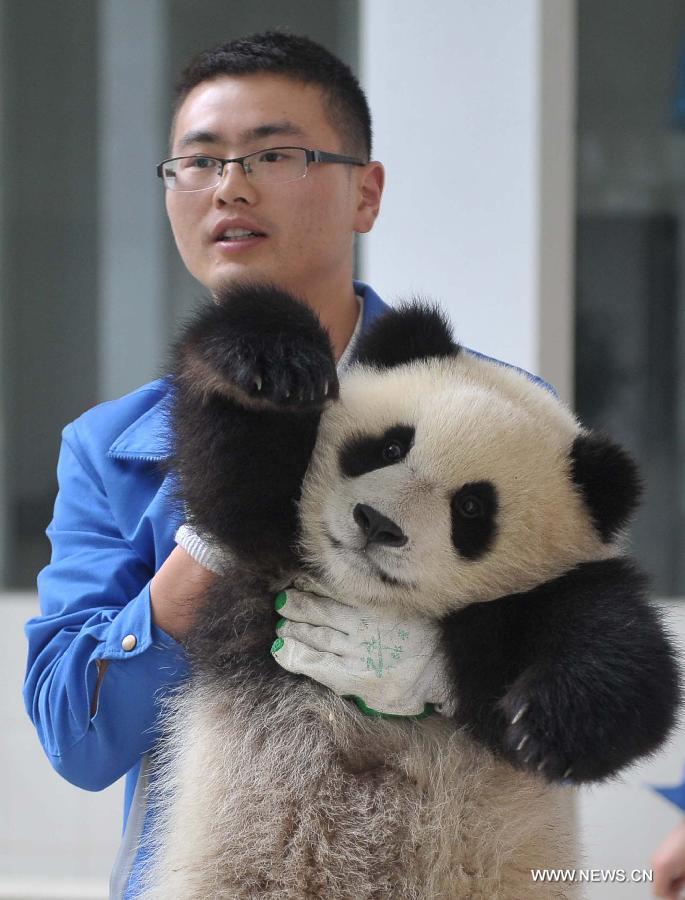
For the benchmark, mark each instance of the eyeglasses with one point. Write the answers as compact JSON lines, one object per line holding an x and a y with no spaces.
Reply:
{"x":276,"y":165}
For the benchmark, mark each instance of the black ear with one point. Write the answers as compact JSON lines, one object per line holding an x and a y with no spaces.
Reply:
{"x":609,"y":480}
{"x":415,"y":330}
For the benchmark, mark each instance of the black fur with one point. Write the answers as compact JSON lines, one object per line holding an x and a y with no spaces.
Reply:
{"x":413,"y":331}
{"x":260,"y":331}
{"x":233,"y":631}
{"x":241,"y":460}
{"x":367,"y":453}
{"x":609,"y":481}
{"x":586,"y":659}
{"x":474,"y":518}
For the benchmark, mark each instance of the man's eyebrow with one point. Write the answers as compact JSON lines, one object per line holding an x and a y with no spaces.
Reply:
{"x":269,"y":129}
{"x":198,"y":136}
{"x":202,"y":136}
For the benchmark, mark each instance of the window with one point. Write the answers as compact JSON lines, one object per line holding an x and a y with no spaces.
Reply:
{"x":630,"y":325}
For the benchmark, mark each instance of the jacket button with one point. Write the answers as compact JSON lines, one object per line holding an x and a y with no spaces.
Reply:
{"x":129,"y":642}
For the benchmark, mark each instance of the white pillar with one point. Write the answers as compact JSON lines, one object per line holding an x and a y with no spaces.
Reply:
{"x":473,"y":109}
{"x":132,"y":231}
{"x":4,"y":512}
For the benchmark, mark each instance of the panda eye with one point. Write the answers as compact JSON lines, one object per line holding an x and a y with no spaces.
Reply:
{"x":474,"y":518}
{"x":393,"y":451}
{"x":470,"y":507}
{"x":366,"y":453}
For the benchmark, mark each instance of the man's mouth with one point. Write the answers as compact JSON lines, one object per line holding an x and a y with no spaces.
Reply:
{"x":234,"y":235}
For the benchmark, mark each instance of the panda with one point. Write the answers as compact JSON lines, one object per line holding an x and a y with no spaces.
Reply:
{"x":486,"y":508}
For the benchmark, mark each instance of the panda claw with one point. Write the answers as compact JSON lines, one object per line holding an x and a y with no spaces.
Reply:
{"x":325,"y":388}
{"x":568,"y":772}
{"x":521,"y":743}
{"x":258,"y":383}
{"x":519,"y":714}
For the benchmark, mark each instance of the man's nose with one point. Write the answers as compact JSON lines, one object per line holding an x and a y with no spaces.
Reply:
{"x":234,"y":185}
{"x":377,"y":528}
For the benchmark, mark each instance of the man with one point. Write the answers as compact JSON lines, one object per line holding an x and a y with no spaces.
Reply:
{"x":118,"y":594}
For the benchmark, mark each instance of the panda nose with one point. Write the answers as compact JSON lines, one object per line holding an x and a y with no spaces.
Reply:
{"x":377,"y":528}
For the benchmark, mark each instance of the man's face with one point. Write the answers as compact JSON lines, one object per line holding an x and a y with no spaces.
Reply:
{"x":304,"y":228}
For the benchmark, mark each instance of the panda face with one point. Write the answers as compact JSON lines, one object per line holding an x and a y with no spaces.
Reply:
{"x":473,"y":506}
{"x":441,"y":483}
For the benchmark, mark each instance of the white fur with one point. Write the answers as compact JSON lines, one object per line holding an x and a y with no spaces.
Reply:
{"x":263,"y":800}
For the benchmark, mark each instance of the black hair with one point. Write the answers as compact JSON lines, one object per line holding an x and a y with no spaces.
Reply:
{"x":296,"y":57}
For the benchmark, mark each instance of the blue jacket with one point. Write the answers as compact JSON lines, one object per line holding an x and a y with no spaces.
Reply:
{"x":113,"y":527}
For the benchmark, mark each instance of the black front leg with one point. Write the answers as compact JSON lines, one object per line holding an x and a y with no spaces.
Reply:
{"x":574,"y":680}
{"x":253,"y":374}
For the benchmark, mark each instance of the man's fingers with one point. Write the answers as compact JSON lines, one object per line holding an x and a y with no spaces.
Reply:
{"x":326,"y":668}
{"x":309,"y":585}
{"x":301,"y":606}
{"x":318,"y":637}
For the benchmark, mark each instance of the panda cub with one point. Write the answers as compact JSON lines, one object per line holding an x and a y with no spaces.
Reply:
{"x":436,"y":482}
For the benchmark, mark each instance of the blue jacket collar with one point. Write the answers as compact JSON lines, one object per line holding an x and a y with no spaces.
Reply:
{"x":148,"y":437}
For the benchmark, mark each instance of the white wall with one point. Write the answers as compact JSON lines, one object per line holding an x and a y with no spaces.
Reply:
{"x":473,"y":111}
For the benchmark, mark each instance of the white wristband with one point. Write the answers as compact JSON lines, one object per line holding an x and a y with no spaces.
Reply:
{"x":202,"y":550}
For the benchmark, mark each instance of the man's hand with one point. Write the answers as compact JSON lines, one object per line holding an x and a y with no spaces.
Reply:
{"x":178,"y":587}
{"x":668,"y":864}
{"x":389,"y":662}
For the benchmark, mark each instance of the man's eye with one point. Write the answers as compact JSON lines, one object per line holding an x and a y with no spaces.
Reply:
{"x":203,"y":162}
{"x":272,"y":156}
{"x":197,"y":162}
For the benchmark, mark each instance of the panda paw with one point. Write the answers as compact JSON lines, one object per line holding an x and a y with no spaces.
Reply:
{"x":260,"y":348}
{"x":533,"y":740}
{"x":278,"y":373}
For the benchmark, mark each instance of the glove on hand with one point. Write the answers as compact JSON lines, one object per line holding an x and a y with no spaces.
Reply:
{"x":203,"y":549}
{"x":390,"y":663}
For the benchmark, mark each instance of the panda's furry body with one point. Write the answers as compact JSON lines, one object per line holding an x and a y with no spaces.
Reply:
{"x":510,"y":518}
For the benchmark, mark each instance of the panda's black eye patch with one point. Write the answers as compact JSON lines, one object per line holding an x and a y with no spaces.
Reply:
{"x":474,"y":518}
{"x":365,"y":454}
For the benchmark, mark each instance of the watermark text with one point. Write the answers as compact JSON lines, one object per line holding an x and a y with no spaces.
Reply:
{"x":603,"y":876}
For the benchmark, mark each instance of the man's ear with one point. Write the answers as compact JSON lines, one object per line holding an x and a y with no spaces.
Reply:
{"x":415,"y":330}
{"x":369,"y":191}
{"x":608,"y":479}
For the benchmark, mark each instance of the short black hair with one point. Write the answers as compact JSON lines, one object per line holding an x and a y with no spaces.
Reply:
{"x":296,"y":57}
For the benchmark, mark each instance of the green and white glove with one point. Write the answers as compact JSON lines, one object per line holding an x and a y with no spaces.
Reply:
{"x":390,"y":663}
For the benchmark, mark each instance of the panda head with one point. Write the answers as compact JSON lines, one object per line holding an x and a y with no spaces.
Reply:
{"x":441,"y":478}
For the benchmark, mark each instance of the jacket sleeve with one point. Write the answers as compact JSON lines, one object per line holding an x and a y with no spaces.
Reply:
{"x":97,"y":664}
